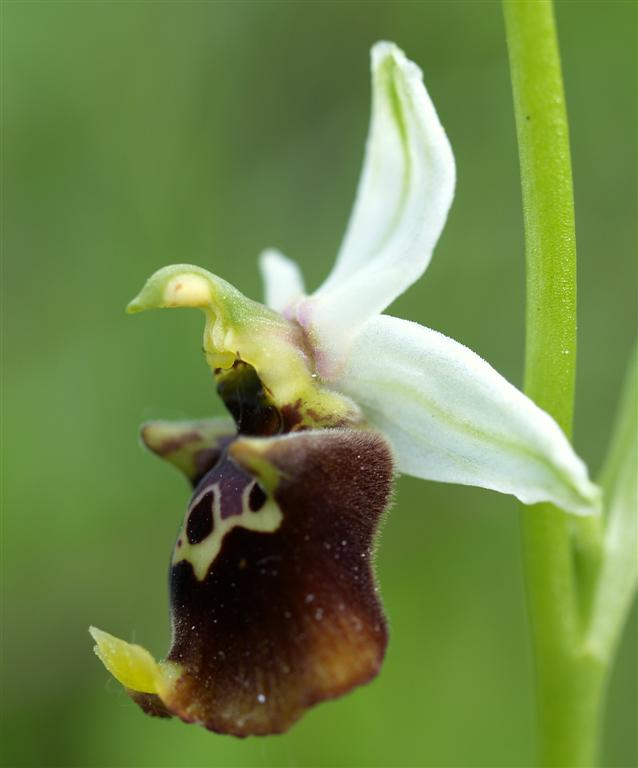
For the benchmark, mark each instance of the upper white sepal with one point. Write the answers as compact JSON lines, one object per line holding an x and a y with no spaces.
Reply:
{"x":404,"y":194}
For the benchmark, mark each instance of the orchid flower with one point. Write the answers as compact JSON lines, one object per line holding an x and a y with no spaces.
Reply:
{"x":274,"y":603}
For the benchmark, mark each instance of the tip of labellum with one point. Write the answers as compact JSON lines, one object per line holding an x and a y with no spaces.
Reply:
{"x":130,"y":664}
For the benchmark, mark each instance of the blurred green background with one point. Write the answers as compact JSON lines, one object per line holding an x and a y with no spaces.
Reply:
{"x":138,"y":134}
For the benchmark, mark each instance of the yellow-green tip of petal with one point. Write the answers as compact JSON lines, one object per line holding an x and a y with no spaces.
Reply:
{"x":131,"y":665}
{"x":180,"y":285}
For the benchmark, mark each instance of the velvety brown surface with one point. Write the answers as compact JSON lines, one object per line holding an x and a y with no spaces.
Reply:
{"x":286,"y":619}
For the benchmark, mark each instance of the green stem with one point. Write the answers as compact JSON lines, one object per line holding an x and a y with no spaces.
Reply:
{"x":560,"y":554}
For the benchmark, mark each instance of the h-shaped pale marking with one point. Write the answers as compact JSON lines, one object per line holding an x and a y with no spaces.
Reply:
{"x":203,"y":554}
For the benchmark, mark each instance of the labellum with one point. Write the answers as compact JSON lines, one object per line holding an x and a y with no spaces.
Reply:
{"x":274,"y":604}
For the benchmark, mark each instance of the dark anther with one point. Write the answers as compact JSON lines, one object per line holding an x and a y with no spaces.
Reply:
{"x":248,"y":401}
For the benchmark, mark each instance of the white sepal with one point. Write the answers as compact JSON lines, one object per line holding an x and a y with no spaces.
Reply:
{"x":451,"y":417}
{"x":283,"y":281}
{"x":404,"y":194}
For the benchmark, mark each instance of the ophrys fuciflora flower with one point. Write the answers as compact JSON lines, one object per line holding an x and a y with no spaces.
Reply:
{"x":274,"y":605}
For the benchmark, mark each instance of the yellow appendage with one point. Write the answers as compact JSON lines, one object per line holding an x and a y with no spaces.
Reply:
{"x":130,"y":664}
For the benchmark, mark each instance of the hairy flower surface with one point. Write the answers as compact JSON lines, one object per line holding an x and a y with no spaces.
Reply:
{"x":274,"y":605}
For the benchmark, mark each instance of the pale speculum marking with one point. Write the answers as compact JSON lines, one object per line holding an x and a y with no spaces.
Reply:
{"x":226,"y":498}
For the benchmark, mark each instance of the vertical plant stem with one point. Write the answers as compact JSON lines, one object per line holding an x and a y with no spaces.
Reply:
{"x":569,"y":682}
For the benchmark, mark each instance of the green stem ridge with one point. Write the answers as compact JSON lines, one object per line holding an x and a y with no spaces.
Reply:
{"x":561,"y":556}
